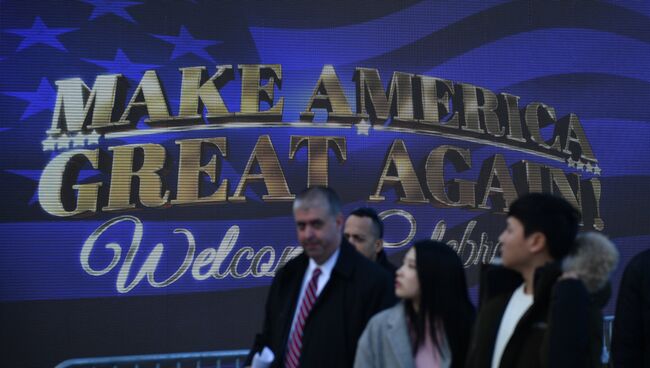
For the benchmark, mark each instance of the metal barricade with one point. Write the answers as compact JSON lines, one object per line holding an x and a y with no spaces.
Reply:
{"x":232,"y":358}
{"x":207,"y":359}
{"x":608,"y":322}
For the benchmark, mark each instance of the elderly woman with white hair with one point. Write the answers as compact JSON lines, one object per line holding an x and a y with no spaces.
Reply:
{"x":576,"y":302}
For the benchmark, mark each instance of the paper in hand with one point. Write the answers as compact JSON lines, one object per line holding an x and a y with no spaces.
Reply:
{"x":263,"y":359}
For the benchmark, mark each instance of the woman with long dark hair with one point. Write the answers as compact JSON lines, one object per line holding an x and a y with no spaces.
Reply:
{"x":431,"y":326}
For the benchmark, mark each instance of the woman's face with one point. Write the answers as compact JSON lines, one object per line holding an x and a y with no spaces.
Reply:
{"x":407,"y":285}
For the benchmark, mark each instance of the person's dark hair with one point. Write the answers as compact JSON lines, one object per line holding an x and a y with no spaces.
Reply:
{"x":443,"y":298}
{"x":377,"y":224}
{"x":319,"y":192}
{"x":551,"y":215}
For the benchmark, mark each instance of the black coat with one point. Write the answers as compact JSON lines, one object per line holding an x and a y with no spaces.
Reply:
{"x":631,"y":336}
{"x":560,"y":329}
{"x":383,"y":261}
{"x":575,"y":336}
{"x":357,"y":289}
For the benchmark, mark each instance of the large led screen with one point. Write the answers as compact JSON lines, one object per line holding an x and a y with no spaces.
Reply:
{"x":150,"y":150}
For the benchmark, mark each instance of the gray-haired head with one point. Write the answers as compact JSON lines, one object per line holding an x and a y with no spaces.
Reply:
{"x":594,"y":259}
{"x":317,"y":196}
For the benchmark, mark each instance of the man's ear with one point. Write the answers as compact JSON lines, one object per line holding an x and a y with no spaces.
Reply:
{"x":379,"y":245}
{"x":339,"y":221}
{"x":537,"y":242}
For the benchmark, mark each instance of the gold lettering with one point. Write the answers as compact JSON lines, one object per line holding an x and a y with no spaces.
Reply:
{"x":406,"y":178}
{"x":591,"y":204}
{"x":199,"y":92}
{"x":151,"y":185}
{"x":464,"y":189}
{"x":317,"y":160}
{"x":576,"y":139}
{"x":252,"y":93}
{"x":378,"y":104}
{"x":476,"y":112}
{"x":502,"y":192}
{"x":560,"y":184}
{"x":529,"y":177}
{"x":270,"y":173}
{"x":533,"y":112}
{"x":190,"y":169}
{"x":148,"y":99}
{"x":509,"y":112}
{"x":77,"y":105}
{"x":329,"y":95}
{"x":54,"y":189}
{"x":435,"y":106}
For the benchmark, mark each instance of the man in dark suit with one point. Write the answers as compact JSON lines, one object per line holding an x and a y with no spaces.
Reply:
{"x":319,"y":302}
{"x":365,"y":231}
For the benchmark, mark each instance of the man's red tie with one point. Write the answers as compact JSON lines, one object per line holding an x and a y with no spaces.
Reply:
{"x":292,"y":357}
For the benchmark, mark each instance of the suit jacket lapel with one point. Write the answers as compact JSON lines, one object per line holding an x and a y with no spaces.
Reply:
{"x":342,"y":269}
{"x":294,"y":286}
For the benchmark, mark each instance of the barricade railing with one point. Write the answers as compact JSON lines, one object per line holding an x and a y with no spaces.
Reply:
{"x":608,"y":322}
{"x":206,"y":359}
{"x":231,"y":358}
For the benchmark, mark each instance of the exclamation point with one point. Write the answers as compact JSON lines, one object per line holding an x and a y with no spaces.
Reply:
{"x":599,"y":224}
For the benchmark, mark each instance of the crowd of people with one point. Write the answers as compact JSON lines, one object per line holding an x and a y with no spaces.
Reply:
{"x":341,"y":303}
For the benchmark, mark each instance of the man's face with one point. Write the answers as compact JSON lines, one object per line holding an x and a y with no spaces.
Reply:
{"x":319,"y":232}
{"x":359,"y":232}
{"x":515,"y":252}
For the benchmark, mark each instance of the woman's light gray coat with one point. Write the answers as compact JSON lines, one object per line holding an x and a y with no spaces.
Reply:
{"x":385,"y":342}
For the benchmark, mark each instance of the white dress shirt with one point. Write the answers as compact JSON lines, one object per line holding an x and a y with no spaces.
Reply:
{"x":326,"y":271}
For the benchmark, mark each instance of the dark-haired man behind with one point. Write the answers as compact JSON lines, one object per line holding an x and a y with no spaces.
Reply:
{"x":320,"y":301}
{"x":365,"y":231}
{"x":513,"y":327}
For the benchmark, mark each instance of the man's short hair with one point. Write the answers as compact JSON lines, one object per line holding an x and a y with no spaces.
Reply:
{"x":318,"y":193}
{"x":377,"y":224}
{"x":551,"y":215}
